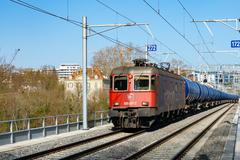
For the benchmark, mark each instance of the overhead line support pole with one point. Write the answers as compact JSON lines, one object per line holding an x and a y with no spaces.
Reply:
{"x":84,"y":71}
{"x":85,"y":27}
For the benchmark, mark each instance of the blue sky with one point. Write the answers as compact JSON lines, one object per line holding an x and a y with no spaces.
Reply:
{"x":45,"y":40}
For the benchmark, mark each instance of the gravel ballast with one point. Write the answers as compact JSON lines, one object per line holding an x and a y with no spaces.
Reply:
{"x":33,"y":146}
{"x":126,"y":148}
{"x":212,"y":147}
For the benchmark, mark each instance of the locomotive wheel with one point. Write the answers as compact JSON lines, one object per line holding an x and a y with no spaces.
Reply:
{"x":115,"y":122}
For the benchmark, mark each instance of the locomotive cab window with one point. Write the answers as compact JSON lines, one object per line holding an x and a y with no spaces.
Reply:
{"x":120,"y":83}
{"x":153,"y":82}
{"x":141,"y":82}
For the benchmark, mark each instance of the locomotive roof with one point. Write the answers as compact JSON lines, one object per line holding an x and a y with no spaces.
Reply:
{"x":143,"y":70}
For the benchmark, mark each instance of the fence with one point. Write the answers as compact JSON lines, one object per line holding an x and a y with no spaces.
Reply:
{"x":25,"y":129}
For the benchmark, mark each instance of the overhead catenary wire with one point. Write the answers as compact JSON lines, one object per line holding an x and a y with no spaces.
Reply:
{"x":77,"y":23}
{"x":196,"y":26}
{"x":178,"y":32}
{"x":144,"y":30}
{"x":74,"y":22}
{"x":118,"y":13}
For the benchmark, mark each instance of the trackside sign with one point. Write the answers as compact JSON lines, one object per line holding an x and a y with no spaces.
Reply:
{"x":235,"y":43}
{"x":152,"y":47}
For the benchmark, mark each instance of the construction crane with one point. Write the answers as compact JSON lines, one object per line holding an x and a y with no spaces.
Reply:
{"x":8,"y":66}
{"x":14,"y":56}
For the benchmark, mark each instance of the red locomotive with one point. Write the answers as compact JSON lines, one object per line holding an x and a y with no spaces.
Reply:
{"x":141,"y":93}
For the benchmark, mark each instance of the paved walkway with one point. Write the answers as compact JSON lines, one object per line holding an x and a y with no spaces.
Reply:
{"x":237,"y":144}
{"x":232,"y":146}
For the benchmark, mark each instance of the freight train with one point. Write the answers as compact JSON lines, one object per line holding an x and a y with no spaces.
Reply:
{"x":145,"y":92}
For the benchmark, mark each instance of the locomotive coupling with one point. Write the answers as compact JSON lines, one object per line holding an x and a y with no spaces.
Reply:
{"x":129,"y":119}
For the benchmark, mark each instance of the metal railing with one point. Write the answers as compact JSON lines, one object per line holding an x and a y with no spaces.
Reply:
{"x":12,"y":131}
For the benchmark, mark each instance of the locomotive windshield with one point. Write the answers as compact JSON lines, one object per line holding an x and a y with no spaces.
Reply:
{"x":120,"y":83}
{"x":153,"y":79}
{"x":141,"y":82}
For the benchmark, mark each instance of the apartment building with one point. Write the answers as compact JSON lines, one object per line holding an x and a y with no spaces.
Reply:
{"x":64,"y":71}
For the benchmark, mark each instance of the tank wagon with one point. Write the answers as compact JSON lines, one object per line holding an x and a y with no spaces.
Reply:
{"x":142,"y":93}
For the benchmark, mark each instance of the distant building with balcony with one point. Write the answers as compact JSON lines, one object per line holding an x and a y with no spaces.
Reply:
{"x":96,"y":82}
{"x":66,"y":70}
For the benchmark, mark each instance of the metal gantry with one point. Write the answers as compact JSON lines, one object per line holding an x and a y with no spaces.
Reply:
{"x":223,"y":21}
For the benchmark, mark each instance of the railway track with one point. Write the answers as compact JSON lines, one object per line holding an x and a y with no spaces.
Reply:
{"x":103,"y":146}
{"x":194,"y":141}
{"x":88,"y":147}
{"x":67,"y":146}
{"x":85,"y":147}
{"x":147,"y":149}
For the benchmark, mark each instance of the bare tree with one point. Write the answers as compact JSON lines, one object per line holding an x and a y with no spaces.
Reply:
{"x":108,"y":58}
{"x":175,"y":63}
{"x":178,"y":66}
{"x":5,"y":74}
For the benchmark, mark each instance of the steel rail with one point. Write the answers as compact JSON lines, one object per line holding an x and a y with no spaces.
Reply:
{"x":67,"y":146}
{"x":188,"y":147}
{"x":168,"y":137}
{"x":102,"y":146}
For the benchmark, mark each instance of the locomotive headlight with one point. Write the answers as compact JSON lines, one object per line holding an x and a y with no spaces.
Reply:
{"x":145,"y":103}
{"x":116,"y":103}
{"x":130,"y":76}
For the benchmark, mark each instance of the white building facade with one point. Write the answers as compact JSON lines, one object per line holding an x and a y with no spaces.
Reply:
{"x":96,"y":83}
{"x":223,"y":77}
{"x":66,"y":70}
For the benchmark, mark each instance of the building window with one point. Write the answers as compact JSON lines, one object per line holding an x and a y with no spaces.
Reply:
{"x":88,"y":86}
{"x":70,"y":85}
